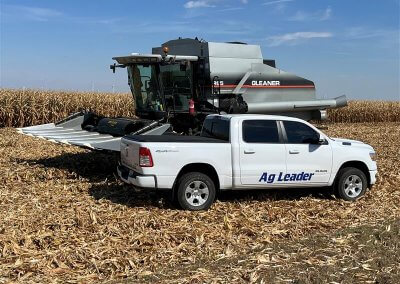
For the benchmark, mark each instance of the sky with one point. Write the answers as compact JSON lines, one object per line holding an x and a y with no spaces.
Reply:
{"x":346,"y":47}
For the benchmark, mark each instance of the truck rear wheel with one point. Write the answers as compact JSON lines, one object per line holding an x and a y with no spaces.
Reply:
{"x":351,"y":184}
{"x":196,"y":191}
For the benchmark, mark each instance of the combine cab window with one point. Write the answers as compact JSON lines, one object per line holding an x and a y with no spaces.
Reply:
{"x":144,"y":86}
{"x":177,"y":86}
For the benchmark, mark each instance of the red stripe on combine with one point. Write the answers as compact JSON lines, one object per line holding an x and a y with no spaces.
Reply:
{"x":251,"y":86}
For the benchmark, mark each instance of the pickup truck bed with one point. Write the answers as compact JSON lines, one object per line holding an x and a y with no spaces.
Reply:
{"x":173,"y":138}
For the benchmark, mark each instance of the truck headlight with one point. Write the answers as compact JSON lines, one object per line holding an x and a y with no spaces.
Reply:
{"x":372,"y":155}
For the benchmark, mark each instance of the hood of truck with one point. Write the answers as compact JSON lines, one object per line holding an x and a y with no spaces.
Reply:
{"x":351,"y":143}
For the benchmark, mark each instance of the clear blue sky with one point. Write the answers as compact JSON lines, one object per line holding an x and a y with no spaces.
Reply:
{"x":345,"y":46}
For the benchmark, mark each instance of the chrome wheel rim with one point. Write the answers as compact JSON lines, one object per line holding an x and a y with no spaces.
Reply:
{"x":353,"y":186}
{"x":196,"y":193}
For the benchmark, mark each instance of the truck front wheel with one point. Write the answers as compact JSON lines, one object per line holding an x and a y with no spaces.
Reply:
{"x":196,"y":191}
{"x":351,"y":184}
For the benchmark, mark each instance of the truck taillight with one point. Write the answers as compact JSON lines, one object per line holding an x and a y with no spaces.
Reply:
{"x":145,"y":158}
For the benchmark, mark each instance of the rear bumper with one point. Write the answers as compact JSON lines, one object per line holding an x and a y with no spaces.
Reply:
{"x":131,"y":177}
{"x":372,"y":176}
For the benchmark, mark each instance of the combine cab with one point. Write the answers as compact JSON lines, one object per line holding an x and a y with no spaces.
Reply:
{"x":183,"y":81}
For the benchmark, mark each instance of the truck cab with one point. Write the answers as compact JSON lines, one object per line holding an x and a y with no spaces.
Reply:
{"x":236,"y":152}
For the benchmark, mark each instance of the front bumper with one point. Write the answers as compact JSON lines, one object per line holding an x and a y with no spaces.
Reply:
{"x":372,"y":176}
{"x":136,"y":179}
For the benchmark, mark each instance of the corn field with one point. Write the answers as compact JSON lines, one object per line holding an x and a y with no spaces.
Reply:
{"x":367,"y":111}
{"x":29,"y":107}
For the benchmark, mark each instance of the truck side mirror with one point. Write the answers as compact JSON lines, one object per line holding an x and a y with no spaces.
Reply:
{"x":322,"y":141}
{"x":317,"y":140}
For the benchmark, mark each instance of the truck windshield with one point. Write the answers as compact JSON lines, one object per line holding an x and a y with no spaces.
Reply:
{"x":144,"y":87}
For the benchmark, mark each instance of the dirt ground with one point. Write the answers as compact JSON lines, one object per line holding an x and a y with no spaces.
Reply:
{"x":363,"y":254}
{"x":66,"y":218}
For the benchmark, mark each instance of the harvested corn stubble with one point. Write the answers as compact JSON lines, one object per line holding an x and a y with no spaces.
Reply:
{"x":65,"y":217}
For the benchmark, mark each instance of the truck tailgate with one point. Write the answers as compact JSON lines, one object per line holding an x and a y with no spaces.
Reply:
{"x":130,"y":154}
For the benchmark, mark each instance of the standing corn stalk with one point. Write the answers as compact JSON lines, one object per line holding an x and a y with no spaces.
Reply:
{"x":29,"y":107}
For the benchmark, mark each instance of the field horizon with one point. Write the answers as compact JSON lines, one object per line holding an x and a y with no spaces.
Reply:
{"x":20,"y":108}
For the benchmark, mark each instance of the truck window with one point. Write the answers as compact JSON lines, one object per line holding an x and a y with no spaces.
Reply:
{"x":216,"y":128}
{"x":260,"y":131}
{"x":298,"y":132}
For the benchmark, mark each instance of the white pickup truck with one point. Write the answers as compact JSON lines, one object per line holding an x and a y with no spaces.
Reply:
{"x":237,"y":152}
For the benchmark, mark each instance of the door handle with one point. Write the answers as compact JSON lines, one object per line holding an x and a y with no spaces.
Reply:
{"x":294,"y":151}
{"x":249,"y":151}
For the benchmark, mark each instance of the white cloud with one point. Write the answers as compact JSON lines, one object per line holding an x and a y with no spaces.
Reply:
{"x":382,"y":38}
{"x":295,"y":38}
{"x":178,"y":27}
{"x":365,"y":33}
{"x":194,"y":4}
{"x":321,"y":15}
{"x":33,"y":13}
{"x":197,"y":4}
{"x":327,"y":14}
{"x":230,"y":9}
{"x":276,"y":2}
{"x":38,"y":14}
{"x":299,"y":16}
{"x":88,"y":20}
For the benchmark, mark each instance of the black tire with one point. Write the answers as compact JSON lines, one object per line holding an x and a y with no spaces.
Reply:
{"x":351,"y":184}
{"x":195,"y":191}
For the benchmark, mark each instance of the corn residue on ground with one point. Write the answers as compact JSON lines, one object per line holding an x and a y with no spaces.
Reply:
{"x":65,"y":217}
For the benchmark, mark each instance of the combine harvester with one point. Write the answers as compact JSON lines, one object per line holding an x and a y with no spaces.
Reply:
{"x":182,"y":82}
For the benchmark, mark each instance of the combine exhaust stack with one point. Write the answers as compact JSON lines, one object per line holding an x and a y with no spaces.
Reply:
{"x":183,"y":81}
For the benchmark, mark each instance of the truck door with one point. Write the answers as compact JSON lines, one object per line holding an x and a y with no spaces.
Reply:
{"x":262,"y":153}
{"x":307,"y":162}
